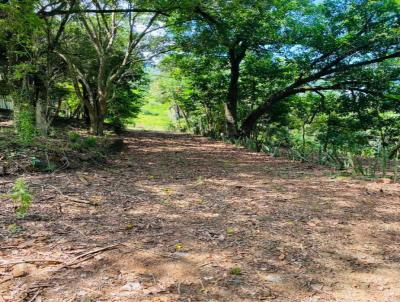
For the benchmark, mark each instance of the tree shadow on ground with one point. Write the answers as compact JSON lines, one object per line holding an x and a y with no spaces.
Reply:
{"x":186,"y":210}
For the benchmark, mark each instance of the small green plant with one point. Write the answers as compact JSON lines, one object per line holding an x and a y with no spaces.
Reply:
{"x":21,"y":197}
{"x":147,"y":112}
{"x":14,"y":229}
{"x":82,"y":143}
{"x":73,"y":137}
{"x":25,"y":126}
{"x":200,"y":179}
{"x":43,"y":165}
{"x":230,"y":231}
{"x":236,"y":271}
{"x":89,"y":142}
{"x":165,"y":202}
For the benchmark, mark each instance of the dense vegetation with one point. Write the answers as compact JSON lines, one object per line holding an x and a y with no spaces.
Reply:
{"x":318,"y":80}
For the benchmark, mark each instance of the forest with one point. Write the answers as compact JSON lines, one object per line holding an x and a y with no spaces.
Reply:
{"x":187,"y":150}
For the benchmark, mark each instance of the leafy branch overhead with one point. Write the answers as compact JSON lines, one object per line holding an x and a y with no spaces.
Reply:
{"x":237,"y":69}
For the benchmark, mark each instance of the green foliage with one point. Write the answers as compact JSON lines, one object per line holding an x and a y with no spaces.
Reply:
{"x":14,"y":229}
{"x":248,"y":143}
{"x":89,"y":142}
{"x":111,"y":66}
{"x":155,"y":112}
{"x":43,"y":165}
{"x":306,"y":86}
{"x":194,"y":88}
{"x":82,"y":143}
{"x":24,"y":122}
{"x":21,"y":197}
{"x":230,"y":231}
{"x":236,"y":271}
{"x":316,"y":81}
{"x":127,"y":101}
{"x":73,"y":137}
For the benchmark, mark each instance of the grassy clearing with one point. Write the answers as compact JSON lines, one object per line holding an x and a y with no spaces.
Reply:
{"x":153,"y":116}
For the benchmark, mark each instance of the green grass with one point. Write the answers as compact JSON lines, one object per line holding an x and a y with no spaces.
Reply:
{"x":153,"y":116}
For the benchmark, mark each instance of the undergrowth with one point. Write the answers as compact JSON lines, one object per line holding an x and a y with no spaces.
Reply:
{"x":22,"y":198}
{"x":58,"y":151}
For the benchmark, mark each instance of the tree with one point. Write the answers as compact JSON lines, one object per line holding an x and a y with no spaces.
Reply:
{"x":294,"y":46}
{"x":229,"y":30}
{"x":31,"y":68}
{"x":115,"y":44}
{"x":197,"y":85}
{"x":338,"y":45}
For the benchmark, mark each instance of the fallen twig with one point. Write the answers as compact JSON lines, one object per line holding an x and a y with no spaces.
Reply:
{"x":38,"y":288}
{"x":72,"y":199}
{"x":77,"y":200}
{"x":95,"y":251}
{"x":205,"y":264}
{"x":47,"y":198}
{"x":88,"y":255}
{"x":8,"y":247}
{"x":35,"y":295}
{"x":50,"y":261}
{"x":6,"y":280}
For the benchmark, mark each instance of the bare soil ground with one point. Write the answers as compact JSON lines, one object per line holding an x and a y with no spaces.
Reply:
{"x":181,"y":218}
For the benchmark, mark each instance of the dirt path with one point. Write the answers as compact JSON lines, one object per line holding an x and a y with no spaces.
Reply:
{"x":188,"y":219}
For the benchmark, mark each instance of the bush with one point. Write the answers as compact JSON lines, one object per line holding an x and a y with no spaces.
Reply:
{"x":89,"y":142}
{"x":73,"y":137}
{"x":82,"y":143}
{"x":24,"y":122}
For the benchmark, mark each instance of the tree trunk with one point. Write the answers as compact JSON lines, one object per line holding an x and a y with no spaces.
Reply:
{"x":42,"y":124}
{"x":86,"y":115}
{"x":251,"y":120}
{"x":86,"y":100}
{"x":96,"y":123}
{"x":230,"y":120}
{"x":97,"y":114}
{"x":303,"y":135}
{"x":230,"y":106}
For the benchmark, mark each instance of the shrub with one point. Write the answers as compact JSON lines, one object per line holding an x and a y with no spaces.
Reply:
{"x":73,"y":137}
{"x":89,"y":142}
{"x":43,"y":165}
{"x":82,"y":143}
{"x":21,"y":197}
{"x":24,"y":122}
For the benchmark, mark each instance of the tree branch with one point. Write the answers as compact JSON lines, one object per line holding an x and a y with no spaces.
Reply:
{"x":76,"y":75}
{"x":100,"y":11}
{"x":132,"y":45}
{"x":61,"y":28}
